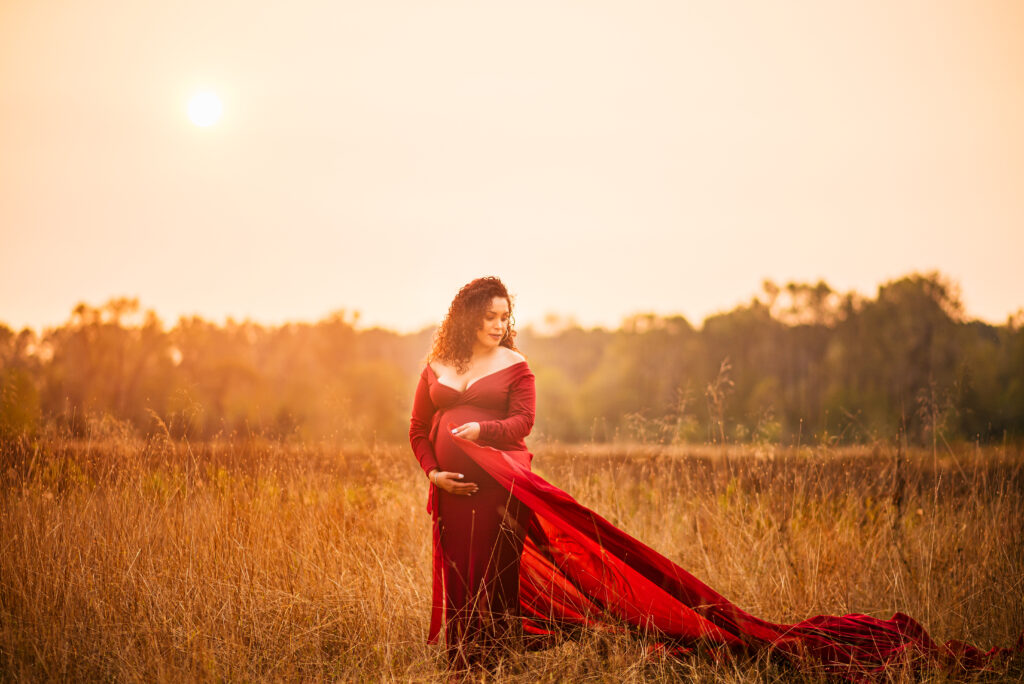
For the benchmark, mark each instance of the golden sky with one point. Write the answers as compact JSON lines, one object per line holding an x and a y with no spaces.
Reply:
{"x":602,"y":158}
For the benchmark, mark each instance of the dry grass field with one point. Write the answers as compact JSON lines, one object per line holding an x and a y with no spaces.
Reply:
{"x":157,"y":560}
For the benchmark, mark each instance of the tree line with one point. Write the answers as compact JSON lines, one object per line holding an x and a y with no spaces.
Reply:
{"x":798,"y":363}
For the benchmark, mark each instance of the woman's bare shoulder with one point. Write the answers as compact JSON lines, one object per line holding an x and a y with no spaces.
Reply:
{"x":512,"y":356}
{"x":438,"y":367}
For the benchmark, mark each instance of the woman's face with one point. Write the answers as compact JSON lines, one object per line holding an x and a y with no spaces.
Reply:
{"x":495,"y":324}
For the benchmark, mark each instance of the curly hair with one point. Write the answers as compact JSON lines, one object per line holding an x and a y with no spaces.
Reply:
{"x":453,"y":342}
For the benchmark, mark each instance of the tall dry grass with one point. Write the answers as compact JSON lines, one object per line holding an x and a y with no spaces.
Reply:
{"x":161,"y":560}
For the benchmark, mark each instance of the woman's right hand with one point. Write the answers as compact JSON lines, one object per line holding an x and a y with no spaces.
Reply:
{"x":452,"y":482}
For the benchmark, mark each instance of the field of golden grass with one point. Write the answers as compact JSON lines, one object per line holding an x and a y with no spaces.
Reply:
{"x":123,"y":559}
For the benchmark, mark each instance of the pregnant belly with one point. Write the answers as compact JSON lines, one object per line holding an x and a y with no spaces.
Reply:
{"x":470,"y":524}
{"x":449,"y":455}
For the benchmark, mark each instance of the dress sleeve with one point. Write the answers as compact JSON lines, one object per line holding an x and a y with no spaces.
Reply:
{"x":522,"y":407}
{"x":419,"y":426}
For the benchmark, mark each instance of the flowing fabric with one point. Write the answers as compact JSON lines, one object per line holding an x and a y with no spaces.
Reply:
{"x":577,"y":570}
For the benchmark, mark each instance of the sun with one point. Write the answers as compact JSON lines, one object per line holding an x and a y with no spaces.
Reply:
{"x":205,"y":108}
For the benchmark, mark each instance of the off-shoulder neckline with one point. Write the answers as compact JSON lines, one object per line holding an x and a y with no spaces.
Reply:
{"x":475,"y":381}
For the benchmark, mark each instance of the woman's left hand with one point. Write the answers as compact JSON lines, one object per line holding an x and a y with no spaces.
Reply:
{"x":468,"y":431}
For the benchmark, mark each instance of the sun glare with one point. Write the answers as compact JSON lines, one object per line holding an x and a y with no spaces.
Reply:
{"x":204,"y":109}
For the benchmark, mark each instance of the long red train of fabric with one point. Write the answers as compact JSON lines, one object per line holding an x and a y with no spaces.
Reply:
{"x":579,"y":570}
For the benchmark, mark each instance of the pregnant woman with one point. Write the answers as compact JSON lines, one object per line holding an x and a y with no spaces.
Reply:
{"x":477,"y":382}
{"x":519,"y":562}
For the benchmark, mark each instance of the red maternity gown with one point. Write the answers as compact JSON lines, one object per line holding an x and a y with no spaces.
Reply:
{"x":522,"y":557}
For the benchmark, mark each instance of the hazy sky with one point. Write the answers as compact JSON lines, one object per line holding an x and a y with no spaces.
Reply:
{"x":602,"y":158}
